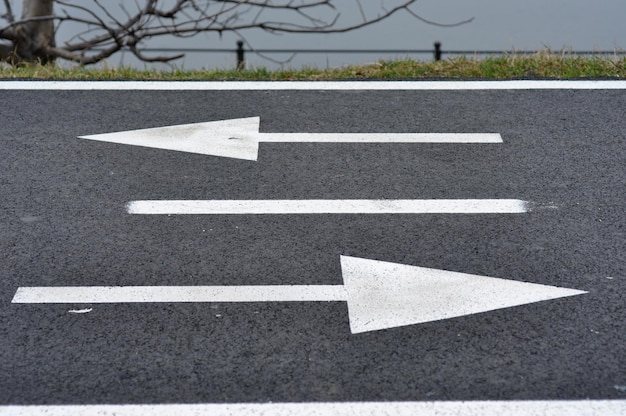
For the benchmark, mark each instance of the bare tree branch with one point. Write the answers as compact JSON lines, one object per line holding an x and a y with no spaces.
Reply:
{"x":80,"y":58}
{"x":145,"y":58}
{"x":9,"y":32}
{"x":9,"y":12}
{"x":430,"y":22}
{"x":104,"y":30}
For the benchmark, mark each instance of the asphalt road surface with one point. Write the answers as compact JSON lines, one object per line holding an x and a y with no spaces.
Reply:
{"x":64,"y":221}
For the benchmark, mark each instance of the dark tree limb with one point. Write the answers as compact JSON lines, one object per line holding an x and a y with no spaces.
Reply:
{"x":8,"y":15}
{"x":104,"y":30}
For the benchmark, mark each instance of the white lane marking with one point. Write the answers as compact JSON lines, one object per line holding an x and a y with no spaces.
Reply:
{"x":380,"y":138}
{"x":313,"y":85}
{"x":443,"y":408}
{"x":175,"y":294}
{"x":240,"y":138}
{"x":80,"y":311}
{"x":330,"y":206}
{"x":380,"y":295}
{"x":385,"y":295}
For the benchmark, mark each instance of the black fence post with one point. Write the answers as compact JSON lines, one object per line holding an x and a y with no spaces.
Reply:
{"x":437,"y":51}
{"x":241,"y":63}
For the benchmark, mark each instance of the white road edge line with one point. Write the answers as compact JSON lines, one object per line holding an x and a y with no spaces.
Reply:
{"x":443,"y":408}
{"x":314,"y":85}
{"x":332,"y":206}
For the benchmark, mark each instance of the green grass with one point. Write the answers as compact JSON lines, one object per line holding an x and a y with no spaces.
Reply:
{"x":541,"y":65}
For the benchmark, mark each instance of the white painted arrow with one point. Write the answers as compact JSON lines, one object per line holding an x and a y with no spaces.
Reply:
{"x":239,"y":138}
{"x":379,"y":294}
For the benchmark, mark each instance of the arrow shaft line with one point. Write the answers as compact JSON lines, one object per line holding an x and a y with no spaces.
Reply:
{"x":379,"y":138}
{"x":338,"y":206}
{"x":179,"y":294}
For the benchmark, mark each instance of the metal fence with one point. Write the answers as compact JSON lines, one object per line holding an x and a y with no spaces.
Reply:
{"x":437,"y":52}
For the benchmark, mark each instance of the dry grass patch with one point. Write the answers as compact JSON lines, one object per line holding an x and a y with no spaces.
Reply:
{"x":539,"y":65}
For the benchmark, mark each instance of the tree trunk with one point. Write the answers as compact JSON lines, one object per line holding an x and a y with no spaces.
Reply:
{"x":32,"y":38}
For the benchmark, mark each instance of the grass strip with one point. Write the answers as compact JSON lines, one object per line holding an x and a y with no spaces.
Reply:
{"x":542,"y":65}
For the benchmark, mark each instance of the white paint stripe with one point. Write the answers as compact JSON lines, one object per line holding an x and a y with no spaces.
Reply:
{"x":458,"y":408}
{"x":80,"y":311}
{"x":313,"y":85}
{"x":334,"y":206}
{"x":380,"y":138}
{"x":161,"y":294}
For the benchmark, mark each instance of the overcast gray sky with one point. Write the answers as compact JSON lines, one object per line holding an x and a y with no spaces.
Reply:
{"x":497,"y":25}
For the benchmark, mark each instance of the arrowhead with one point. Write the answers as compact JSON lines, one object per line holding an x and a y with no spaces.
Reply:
{"x":384,"y":295}
{"x":236,"y":138}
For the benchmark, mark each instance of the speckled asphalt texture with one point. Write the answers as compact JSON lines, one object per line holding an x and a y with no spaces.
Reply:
{"x":63,"y":223}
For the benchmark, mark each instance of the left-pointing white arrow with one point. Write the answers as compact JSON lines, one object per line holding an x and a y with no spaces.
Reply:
{"x":239,"y":138}
{"x":379,"y":294}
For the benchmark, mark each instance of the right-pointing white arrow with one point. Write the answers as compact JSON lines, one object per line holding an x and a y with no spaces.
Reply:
{"x":384,"y":295}
{"x":379,"y":294}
